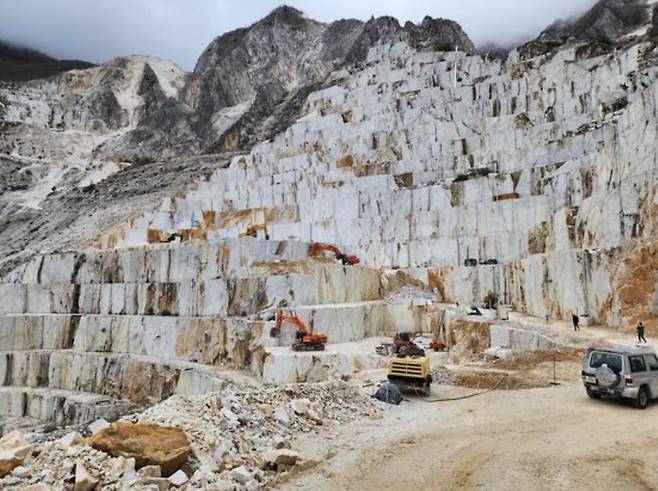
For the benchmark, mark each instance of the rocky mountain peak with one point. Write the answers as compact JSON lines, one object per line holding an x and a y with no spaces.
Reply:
{"x":608,"y":20}
{"x":438,"y":34}
{"x":431,"y":35}
{"x":271,"y":61}
{"x":247,"y":85}
{"x":284,"y":14}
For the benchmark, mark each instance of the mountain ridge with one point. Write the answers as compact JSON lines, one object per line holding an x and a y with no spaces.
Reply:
{"x":86,"y":131}
{"x":21,"y":63}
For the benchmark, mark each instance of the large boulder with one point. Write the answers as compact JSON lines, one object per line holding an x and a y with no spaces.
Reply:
{"x":148,"y":444}
{"x":14,"y":450}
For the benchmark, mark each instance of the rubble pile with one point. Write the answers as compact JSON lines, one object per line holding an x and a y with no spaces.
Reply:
{"x":442,"y":375}
{"x":59,"y":463}
{"x":14,"y":449}
{"x":233,"y":434}
{"x":239,"y":439}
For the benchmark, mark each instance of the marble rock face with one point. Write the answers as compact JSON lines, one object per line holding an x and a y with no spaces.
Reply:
{"x":422,"y":161}
{"x":530,"y":182}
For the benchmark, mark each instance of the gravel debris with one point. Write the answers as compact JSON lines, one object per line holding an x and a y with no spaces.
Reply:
{"x":232,"y":435}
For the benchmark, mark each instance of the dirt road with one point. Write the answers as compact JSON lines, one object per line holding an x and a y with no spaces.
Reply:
{"x":549,"y":438}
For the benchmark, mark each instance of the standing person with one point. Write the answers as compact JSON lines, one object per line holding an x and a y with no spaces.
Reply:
{"x":640,"y":332}
{"x":576,"y":321}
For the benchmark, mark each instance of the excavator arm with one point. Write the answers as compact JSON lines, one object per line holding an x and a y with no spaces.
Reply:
{"x":291,"y":319}
{"x":319,"y":247}
{"x":437,"y":344}
{"x":306,"y":341}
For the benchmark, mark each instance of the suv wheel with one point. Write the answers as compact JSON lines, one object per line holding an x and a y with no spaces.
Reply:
{"x":642,"y":400}
{"x":592,"y":394}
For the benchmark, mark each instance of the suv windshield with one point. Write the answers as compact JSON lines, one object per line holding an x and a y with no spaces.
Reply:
{"x":599,"y":358}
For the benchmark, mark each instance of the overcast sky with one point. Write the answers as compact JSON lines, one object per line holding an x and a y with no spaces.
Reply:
{"x":97,"y":30}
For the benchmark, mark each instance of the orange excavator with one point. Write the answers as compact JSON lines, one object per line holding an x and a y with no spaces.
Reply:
{"x":435,"y":344}
{"x":317,"y":248}
{"x":306,"y":341}
{"x":403,"y":345}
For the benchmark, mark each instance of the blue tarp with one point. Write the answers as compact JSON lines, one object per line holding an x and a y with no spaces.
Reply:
{"x":388,"y":393}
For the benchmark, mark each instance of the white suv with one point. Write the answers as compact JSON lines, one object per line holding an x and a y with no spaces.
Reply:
{"x":629,"y":372}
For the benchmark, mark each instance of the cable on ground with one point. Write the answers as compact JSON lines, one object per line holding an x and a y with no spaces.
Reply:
{"x":468,"y":396}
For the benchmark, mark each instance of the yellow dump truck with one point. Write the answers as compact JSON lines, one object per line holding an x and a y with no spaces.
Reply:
{"x":410,"y":372}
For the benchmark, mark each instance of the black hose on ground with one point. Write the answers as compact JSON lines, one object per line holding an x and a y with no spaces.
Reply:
{"x":469,"y":395}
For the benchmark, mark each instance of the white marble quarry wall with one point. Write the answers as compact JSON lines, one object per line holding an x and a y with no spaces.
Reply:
{"x":285,"y":368}
{"x":427,"y":159}
{"x":554,"y":284}
{"x":158,"y":263}
{"x":211,"y":341}
{"x":519,"y":340}
{"x":60,"y":407}
{"x":36,"y":332}
{"x":318,"y":285}
{"x":278,"y":285}
{"x":115,"y":324}
{"x":557,"y":285}
{"x":189,"y":298}
{"x":341,"y":323}
{"x":117,"y":375}
{"x":412,"y":318}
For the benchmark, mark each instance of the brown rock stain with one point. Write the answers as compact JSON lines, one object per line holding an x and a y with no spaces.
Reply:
{"x":393,"y":283}
{"x":209,"y":217}
{"x":436,"y":283}
{"x":468,"y":339}
{"x":636,"y":282}
{"x":345,"y":162}
{"x":540,"y":238}
{"x":232,"y":141}
{"x":190,"y":234}
{"x":254,"y":216}
{"x":284,"y":267}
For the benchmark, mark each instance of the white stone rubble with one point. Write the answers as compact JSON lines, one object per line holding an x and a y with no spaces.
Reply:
{"x":235,"y":437}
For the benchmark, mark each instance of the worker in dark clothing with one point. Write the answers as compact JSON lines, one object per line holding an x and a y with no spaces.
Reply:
{"x":640,"y":332}
{"x":576,"y":322}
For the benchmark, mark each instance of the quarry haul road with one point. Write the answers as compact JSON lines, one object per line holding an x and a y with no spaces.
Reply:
{"x":551,"y":438}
